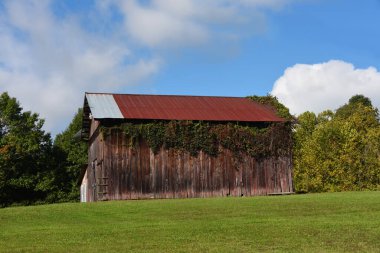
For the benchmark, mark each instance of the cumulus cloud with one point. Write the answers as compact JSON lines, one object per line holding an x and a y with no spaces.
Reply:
{"x":328,"y":85}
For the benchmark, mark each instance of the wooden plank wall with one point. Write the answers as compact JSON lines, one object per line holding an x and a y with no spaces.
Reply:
{"x":138,"y":173}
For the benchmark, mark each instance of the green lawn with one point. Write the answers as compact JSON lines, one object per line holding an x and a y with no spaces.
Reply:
{"x":330,"y":222}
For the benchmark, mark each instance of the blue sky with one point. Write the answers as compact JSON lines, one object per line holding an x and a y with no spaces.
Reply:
{"x":312,"y":54}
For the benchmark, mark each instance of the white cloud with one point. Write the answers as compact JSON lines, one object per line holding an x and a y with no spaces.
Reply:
{"x":48,"y":62}
{"x":328,"y":85}
{"x":168,"y":23}
{"x":156,"y":26}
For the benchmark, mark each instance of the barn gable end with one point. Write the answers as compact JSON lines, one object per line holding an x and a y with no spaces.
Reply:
{"x":121,"y":167}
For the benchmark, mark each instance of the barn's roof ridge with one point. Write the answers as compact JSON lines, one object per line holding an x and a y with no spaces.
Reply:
{"x":176,"y":107}
{"x":160,"y":95}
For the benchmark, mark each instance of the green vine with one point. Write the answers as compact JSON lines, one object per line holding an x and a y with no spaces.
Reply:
{"x":272,"y":101}
{"x":259,"y":142}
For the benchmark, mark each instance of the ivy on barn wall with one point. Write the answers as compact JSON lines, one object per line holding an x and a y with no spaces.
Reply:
{"x":257,"y":140}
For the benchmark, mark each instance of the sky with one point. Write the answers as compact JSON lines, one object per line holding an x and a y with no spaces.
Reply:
{"x":312,"y":55}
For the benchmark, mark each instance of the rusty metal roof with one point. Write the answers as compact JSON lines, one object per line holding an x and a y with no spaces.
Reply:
{"x":171,"y":107}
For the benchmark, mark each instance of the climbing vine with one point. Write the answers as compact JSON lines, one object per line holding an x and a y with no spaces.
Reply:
{"x":193,"y":136}
{"x":273,"y":103}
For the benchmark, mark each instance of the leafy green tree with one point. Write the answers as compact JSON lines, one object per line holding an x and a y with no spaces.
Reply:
{"x":337,"y":152}
{"x":354,"y":102}
{"x":25,"y":155}
{"x":304,"y":128}
{"x":71,"y":156}
{"x":360,"y":99}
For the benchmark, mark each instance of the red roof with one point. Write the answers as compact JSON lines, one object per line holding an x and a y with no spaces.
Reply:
{"x":170,"y":107}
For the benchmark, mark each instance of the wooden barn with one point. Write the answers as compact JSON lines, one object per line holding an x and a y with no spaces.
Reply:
{"x":164,"y":146}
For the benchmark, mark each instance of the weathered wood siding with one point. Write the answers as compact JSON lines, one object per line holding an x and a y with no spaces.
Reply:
{"x":118,"y":171}
{"x":96,"y":177}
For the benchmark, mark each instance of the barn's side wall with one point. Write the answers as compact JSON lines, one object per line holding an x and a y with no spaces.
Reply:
{"x":118,"y":171}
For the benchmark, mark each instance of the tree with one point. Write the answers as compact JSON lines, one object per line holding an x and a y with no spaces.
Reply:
{"x":25,"y":155}
{"x":360,"y":99}
{"x":336,"y":152}
{"x":354,"y":102}
{"x":71,"y":156}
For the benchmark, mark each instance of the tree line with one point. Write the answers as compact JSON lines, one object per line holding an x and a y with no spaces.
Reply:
{"x":34,"y":168}
{"x":338,"y":151}
{"x":332,"y":151}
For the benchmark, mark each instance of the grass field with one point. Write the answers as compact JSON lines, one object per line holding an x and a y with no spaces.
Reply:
{"x":331,"y":222}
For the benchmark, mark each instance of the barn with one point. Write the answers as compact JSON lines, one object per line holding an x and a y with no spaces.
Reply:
{"x":167,"y":146}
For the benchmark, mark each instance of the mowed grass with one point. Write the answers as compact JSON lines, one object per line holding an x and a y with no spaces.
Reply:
{"x":330,"y":222}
